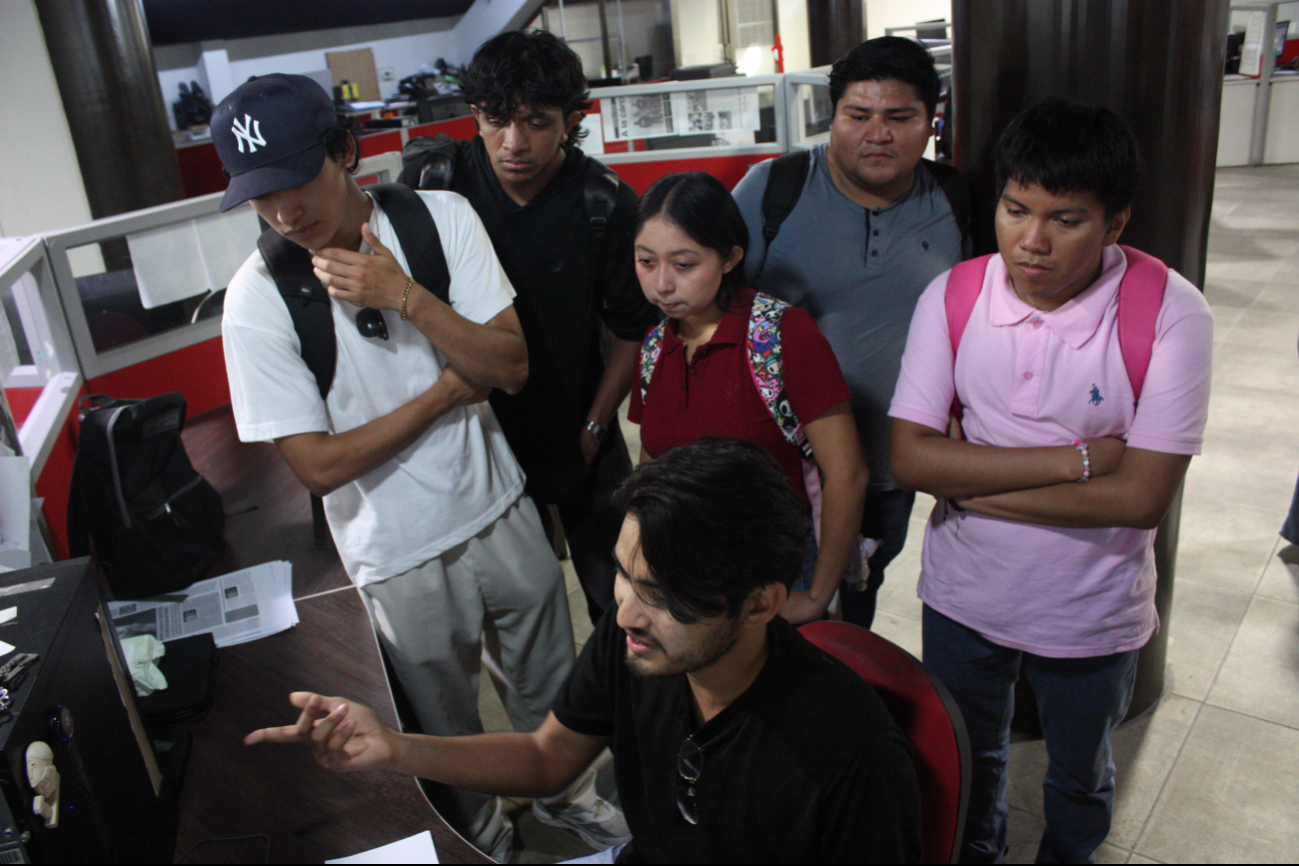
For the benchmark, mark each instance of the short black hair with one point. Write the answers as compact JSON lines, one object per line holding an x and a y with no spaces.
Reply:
{"x":702,"y":207}
{"x":1065,"y":146}
{"x":533,"y":68}
{"x":336,"y":138}
{"x":888,"y":57}
{"x":718,"y":519}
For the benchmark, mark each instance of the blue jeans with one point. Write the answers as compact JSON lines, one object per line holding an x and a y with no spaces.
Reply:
{"x":1081,"y":702}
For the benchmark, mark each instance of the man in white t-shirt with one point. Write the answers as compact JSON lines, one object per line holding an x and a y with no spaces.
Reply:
{"x":423,"y":497}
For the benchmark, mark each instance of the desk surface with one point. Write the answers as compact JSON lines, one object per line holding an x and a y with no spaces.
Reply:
{"x":229,"y":789}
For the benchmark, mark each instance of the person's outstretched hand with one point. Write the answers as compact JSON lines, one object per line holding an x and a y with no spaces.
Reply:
{"x":343,"y":736}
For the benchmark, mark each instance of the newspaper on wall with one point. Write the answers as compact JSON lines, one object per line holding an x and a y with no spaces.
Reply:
{"x":688,"y":112}
{"x":235,"y":608}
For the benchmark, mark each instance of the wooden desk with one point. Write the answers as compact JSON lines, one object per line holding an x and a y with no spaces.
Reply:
{"x":310,"y":814}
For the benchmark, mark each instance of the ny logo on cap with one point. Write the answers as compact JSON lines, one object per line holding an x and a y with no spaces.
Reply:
{"x":242,"y":134}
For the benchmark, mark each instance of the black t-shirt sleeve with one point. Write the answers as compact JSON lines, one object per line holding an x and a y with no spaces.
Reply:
{"x":626,"y":312}
{"x":870,"y":810}
{"x":586,"y":702}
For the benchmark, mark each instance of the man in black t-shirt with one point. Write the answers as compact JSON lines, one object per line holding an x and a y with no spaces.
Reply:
{"x":527,"y":179}
{"x":735,"y":739}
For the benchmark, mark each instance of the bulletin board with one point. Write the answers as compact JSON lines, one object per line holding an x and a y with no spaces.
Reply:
{"x":356,"y":66}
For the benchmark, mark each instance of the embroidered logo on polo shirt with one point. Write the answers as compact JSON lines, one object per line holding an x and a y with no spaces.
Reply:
{"x":1096,"y":398}
{"x":250,"y":131}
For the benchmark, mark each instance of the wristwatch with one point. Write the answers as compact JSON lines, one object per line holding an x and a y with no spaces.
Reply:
{"x":597,"y":432}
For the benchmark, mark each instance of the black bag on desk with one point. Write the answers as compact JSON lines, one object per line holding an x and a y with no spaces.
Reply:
{"x":189,"y":666}
{"x":154,"y":524}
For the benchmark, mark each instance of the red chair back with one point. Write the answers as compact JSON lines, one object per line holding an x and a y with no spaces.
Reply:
{"x":929,"y":718}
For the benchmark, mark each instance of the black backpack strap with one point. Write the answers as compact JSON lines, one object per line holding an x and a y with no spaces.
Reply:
{"x":599,"y":196}
{"x":428,"y":162}
{"x":784,"y":186}
{"x":308,"y":304}
{"x":418,"y":235}
{"x":954,"y":186}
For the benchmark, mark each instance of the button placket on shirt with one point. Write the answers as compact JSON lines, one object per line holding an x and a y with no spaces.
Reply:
{"x":1032,"y":336}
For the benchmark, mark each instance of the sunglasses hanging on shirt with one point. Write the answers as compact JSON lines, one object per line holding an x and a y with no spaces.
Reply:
{"x":371,"y":324}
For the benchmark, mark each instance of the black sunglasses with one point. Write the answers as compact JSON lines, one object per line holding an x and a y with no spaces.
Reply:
{"x":690,"y":762}
{"x":371,"y":324}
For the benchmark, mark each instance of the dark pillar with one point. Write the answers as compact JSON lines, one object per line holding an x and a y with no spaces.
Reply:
{"x":104,"y":65}
{"x":1159,"y":64}
{"x":834,"y":27}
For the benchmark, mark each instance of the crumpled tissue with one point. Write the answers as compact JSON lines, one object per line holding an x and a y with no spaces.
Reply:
{"x":142,"y":654}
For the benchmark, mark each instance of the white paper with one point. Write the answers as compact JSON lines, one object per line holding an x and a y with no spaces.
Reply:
{"x":168,"y":264}
{"x":15,"y":512}
{"x":1251,"y":51}
{"x":416,"y":849}
{"x":5,"y":648}
{"x":628,"y":117}
{"x":722,"y":111}
{"x":235,"y":608}
{"x":7,"y":614}
{"x":186,"y":259}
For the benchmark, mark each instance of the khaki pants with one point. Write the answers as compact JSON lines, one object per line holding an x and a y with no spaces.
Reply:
{"x":503,"y":584}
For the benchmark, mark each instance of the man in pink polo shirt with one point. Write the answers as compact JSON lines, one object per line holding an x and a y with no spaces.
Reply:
{"x":1039,"y":552}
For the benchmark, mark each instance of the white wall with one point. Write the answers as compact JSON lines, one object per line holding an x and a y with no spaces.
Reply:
{"x":486,"y":18}
{"x":40,"y":179}
{"x":902,"y":13}
{"x":402,"y":47}
{"x":793,"y":34}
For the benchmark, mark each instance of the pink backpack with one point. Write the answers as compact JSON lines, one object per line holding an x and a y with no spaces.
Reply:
{"x":1141,"y":294}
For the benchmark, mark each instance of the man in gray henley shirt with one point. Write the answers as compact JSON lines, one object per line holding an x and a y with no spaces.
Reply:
{"x":871,"y":229}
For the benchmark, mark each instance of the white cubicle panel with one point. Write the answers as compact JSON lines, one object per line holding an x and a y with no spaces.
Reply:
{"x":1282,"y":143}
{"x":1236,"y":121}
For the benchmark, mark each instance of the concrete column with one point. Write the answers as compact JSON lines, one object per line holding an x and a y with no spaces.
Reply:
{"x":1159,"y":64}
{"x":104,"y":66}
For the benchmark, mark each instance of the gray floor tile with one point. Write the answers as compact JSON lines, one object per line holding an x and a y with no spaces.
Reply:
{"x":1280,"y":295}
{"x":1251,"y":410}
{"x":1023,"y":834}
{"x":1241,"y":267}
{"x":1244,"y":470}
{"x":1281,"y":578}
{"x":1232,"y":797}
{"x":1260,"y":676}
{"x":1137,"y":858}
{"x":1226,"y":292}
{"x":1145,"y":750}
{"x":1224,"y":319}
{"x":1266,"y":327}
{"x":1257,"y":366}
{"x":1223,"y":542}
{"x":1204,"y":620}
{"x":903,"y":631}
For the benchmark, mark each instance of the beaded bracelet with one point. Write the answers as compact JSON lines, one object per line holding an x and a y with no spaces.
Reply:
{"x":1087,"y":459}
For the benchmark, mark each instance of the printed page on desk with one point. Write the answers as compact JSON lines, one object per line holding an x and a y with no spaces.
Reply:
{"x":235,"y":608}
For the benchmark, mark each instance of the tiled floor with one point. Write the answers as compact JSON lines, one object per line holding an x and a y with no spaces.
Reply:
{"x":1211,"y":774}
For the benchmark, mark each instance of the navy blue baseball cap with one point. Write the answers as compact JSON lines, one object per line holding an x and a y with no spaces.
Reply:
{"x":269,"y":134}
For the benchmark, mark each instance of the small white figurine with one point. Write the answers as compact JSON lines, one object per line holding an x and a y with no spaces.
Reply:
{"x":43,"y":776}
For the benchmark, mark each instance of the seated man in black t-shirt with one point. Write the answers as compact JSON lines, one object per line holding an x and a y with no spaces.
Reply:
{"x":734,"y":739}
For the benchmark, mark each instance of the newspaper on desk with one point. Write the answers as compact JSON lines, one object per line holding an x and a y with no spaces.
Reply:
{"x":687,"y":112}
{"x":235,"y":608}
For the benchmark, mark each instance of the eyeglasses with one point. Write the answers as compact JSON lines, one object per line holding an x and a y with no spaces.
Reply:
{"x":690,"y":762}
{"x":371,"y":324}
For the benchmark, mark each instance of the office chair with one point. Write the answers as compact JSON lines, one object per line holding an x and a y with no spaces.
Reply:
{"x":927,"y":715}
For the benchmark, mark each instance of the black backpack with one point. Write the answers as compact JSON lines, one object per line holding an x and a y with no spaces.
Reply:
{"x":430,"y":163}
{"x":155,"y":524}
{"x":788,"y":173}
{"x":306,"y":297}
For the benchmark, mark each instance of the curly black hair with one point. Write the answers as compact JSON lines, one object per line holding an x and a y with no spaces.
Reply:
{"x":533,"y":68}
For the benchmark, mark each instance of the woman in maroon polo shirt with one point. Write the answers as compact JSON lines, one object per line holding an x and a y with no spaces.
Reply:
{"x":690,"y":241}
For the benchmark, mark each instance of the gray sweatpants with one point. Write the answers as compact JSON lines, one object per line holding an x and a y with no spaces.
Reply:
{"x":505,"y":585}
